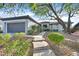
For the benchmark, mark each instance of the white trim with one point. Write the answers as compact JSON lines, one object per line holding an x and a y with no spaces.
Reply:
{"x":6,"y":27}
{"x":13,"y":21}
{"x":26,"y":26}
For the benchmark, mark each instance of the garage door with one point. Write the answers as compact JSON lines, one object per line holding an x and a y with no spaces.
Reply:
{"x":16,"y":27}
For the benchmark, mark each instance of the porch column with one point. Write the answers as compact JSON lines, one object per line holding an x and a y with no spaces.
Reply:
{"x":5,"y":27}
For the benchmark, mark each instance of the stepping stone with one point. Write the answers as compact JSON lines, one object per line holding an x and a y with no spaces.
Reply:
{"x":42,"y":49}
{"x":38,"y":38}
{"x":40,"y":44}
{"x":47,"y":52}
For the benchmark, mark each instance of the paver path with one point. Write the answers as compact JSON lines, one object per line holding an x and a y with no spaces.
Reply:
{"x":41,"y":47}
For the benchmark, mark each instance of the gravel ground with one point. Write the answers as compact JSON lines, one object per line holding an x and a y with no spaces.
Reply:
{"x":71,"y":37}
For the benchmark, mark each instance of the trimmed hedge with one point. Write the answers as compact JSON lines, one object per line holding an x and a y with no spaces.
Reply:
{"x":55,"y":37}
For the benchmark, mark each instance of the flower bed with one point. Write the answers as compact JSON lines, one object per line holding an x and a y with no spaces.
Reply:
{"x":18,"y":45}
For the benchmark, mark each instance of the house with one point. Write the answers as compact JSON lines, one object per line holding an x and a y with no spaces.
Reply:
{"x":17,"y":24}
{"x":24,"y":23}
{"x":51,"y":25}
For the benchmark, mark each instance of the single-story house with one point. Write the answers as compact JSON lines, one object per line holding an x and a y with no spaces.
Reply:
{"x":52,"y":26}
{"x":17,"y":24}
{"x":24,"y":23}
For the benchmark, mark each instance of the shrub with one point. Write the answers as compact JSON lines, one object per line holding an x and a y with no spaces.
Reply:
{"x":1,"y":36}
{"x":1,"y":39}
{"x":7,"y":37}
{"x":56,"y":37}
{"x":34,"y":30}
{"x":17,"y":47}
{"x":18,"y":35}
{"x":22,"y":33}
{"x":30,"y":32}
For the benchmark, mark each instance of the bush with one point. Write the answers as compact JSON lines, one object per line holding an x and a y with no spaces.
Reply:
{"x":1,"y":36}
{"x":18,"y":35}
{"x":21,"y":33}
{"x":1,"y":39}
{"x":7,"y":37}
{"x":30,"y":32}
{"x":17,"y":47}
{"x":56,"y":37}
{"x":20,"y":46}
{"x":34,"y":30}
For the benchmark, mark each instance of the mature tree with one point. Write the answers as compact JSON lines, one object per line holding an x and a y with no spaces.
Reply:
{"x":56,"y":11}
{"x":71,"y":10}
{"x":47,"y":10}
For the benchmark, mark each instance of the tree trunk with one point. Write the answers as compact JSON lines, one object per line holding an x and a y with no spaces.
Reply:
{"x":69,"y":24}
{"x":57,"y":18}
{"x":62,"y":23}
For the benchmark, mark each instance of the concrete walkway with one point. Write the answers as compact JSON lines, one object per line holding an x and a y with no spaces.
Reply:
{"x":41,"y":47}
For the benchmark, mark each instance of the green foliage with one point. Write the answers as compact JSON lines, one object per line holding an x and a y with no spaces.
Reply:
{"x":1,"y":36}
{"x":56,"y":37}
{"x":4,"y":38}
{"x":7,"y":37}
{"x":71,"y":7}
{"x":1,"y":39}
{"x":18,"y":46}
{"x":1,"y":5}
{"x":19,"y":34}
{"x":30,"y":32}
{"x":37,"y":8}
{"x":34,"y":30}
{"x":68,"y":7}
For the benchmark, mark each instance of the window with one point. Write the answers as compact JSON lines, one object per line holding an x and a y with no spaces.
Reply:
{"x":45,"y":26}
